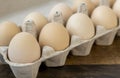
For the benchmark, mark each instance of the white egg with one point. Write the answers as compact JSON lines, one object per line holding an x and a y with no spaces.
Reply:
{"x":24,"y":48}
{"x":81,"y":25}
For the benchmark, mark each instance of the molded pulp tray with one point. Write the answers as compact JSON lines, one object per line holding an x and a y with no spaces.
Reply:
{"x":49,"y":56}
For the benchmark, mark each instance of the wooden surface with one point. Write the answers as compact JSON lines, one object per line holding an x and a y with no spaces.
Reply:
{"x":82,"y":71}
{"x":71,"y":71}
{"x":103,"y":62}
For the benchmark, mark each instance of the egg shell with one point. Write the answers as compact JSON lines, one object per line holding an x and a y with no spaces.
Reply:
{"x":96,"y":2}
{"x":81,"y":25}
{"x":63,"y":8}
{"x":116,"y":8}
{"x":54,"y":35}
{"x":104,"y":16}
{"x":39,"y":19}
{"x":76,"y":4}
{"x":7,"y":31}
{"x":24,"y":48}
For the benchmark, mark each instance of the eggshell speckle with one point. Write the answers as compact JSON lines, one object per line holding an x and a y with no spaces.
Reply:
{"x":7,"y":31}
{"x":54,"y":35}
{"x":104,"y":16}
{"x":24,"y":48}
{"x":81,"y":25}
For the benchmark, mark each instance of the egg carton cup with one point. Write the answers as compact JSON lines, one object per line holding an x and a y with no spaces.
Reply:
{"x":108,"y":38}
{"x":58,"y":60}
{"x":54,"y":58}
{"x":84,"y":47}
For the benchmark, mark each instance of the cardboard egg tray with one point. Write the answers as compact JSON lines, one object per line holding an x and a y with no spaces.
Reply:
{"x":54,"y":58}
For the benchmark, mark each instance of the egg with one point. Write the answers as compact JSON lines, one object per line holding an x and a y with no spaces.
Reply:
{"x":39,"y":19}
{"x":116,"y":8}
{"x":81,"y":25}
{"x":96,"y":2}
{"x":24,"y":48}
{"x":54,"y":35}
{"x":76,"y":4}
{"x":63,"y":8}
{"x":104,"y":16}
{"x":7,"y":31}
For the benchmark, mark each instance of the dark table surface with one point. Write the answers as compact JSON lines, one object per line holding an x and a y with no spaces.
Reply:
{"x":71,"y":71}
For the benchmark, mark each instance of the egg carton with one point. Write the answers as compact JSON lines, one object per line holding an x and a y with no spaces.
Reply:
{"x":51,"y":57}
